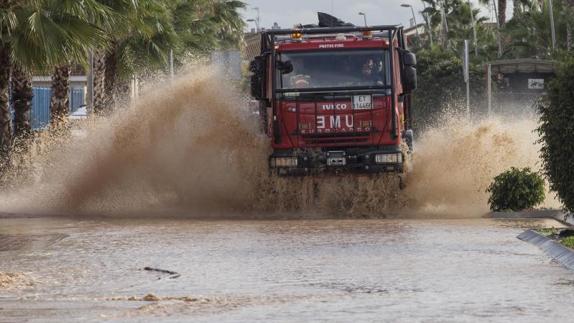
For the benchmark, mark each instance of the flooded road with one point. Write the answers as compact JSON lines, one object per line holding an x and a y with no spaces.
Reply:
{"x":363,"y":270}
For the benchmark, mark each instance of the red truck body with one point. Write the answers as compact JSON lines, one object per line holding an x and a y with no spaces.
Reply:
{"x":335,"y":99}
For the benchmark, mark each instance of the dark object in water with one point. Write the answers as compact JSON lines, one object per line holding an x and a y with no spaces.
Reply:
{"x":173,"y":274}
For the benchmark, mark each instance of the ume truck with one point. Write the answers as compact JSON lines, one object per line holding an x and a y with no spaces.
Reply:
{"x":335,"y":99}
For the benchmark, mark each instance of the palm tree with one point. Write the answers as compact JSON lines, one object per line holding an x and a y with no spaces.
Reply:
{"x":35,"y":34}
{"x":22,"y":95}
{"x":81,"y":21}
{"x":529,"y":33}
{"x":228,"y":21}
{"x":140,"y":39}
{"x":120,"y":10}
{"x":8,"y":22}
{"x":5,"y":116}
{"x":458,"y":15}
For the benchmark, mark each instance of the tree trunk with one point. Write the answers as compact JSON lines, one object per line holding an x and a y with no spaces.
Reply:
{"x":111,"y":75}
{"x":60,"y":103}
{"x":502,"y":12}
{"x":22,"y":95}
{"x":99,"y":82}
{"x":5,"y":115}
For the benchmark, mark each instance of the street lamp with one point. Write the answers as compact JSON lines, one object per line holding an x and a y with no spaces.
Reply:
{"x":258,"y":19}
{"x":256,"y":23}
{"x":404,"y":5}
{"x":364,"y":17}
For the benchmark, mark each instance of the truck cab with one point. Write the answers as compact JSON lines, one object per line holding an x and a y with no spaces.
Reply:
{"x":335,"y":99}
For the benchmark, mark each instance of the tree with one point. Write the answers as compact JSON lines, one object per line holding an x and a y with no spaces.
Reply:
{"x":143,"y":40}
{"x":557,"y":133}
{"x":22,"y":95}
{"x":458,"y":17}
{"x":80,"y":21}
{"x":529,"y":33}
{"x":501,"y":12}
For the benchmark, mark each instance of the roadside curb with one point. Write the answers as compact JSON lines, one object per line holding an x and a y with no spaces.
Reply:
{"x":565,"y":218}
{"x":556,"y":251}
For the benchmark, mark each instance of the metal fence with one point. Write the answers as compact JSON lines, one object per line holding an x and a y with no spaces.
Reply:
{"x":41,"y":105}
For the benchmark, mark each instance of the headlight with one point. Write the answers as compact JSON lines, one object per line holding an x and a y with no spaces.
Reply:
{"x":394,"y":158}
{"x":284,"y":162}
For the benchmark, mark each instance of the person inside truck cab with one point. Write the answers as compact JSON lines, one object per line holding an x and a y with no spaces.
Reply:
{"x":300,"y":78}
{"x":371,"y":73}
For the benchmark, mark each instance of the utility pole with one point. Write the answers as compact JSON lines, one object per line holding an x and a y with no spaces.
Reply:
{"x":553,"y":29}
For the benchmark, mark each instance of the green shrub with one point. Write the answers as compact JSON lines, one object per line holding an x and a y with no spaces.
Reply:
{"x":557,"y":133}
{"x":516,"y":190}
{"x":568,"y":242}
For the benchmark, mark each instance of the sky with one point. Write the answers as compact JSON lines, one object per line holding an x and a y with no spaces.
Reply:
{"x":288,"y":13}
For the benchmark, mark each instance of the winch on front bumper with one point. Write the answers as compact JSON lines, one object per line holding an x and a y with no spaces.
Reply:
{"x":312,"y":162}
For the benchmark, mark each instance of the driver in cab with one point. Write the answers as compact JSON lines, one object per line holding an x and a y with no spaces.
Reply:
{"x":371,"y":73}
{"x":299,"y":80}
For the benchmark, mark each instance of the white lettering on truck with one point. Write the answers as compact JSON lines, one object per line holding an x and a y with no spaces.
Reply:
{"x":331,"y":45}
{"x":334,"y":122}
{"x":330,"y":107}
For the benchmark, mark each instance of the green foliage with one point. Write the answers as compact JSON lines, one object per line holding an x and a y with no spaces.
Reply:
{"x":516,"y":190}
{"x":568,"y":242}
{"x":441,"y":82}
{"x":528,"y":34}
{"x":557,"y":133}
{"x":45,"y":33}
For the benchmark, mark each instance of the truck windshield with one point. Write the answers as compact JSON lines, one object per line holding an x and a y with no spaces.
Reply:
{"x":333,"y":69}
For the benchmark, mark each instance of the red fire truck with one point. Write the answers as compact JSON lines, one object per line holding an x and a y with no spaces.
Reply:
{"x":335,"y":99}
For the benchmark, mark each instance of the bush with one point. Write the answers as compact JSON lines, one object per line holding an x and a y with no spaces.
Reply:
{"x":557,"y":133}
{"x":516,"y":190}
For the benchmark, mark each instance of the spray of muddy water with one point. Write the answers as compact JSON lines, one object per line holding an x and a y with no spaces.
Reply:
{"x":455,"y":163}
{"x":193,"y":145}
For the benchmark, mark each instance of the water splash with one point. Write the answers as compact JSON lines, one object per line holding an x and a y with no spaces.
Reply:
{"x":193,"y":146}
{"x":456,"y":162}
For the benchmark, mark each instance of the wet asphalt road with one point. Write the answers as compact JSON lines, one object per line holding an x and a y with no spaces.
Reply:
{"x":246,"y":271}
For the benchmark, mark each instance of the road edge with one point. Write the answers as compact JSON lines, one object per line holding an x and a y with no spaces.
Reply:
{"x":552,"y":248}
{"x":558,"y":215}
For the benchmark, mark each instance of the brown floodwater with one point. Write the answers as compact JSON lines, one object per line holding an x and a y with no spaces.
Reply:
{"x":323,"y":270}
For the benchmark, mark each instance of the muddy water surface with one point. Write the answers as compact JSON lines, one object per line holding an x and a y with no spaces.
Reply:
{"x":368,"y":270}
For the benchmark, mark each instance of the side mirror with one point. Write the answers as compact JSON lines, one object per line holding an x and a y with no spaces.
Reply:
{"x":409,"y":79}
{"x":409,"y":74}
{"x":409,"y":59}
{"x":285,"y":67}
{"x":257,"y":67}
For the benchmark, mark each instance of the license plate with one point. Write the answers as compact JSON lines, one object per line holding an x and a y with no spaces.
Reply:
{"x":362,"y":102}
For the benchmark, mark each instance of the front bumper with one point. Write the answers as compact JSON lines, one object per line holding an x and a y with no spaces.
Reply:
{"x":312,"y":162}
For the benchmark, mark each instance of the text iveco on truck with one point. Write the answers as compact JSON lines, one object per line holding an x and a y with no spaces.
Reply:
{"x":335,"y":99}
